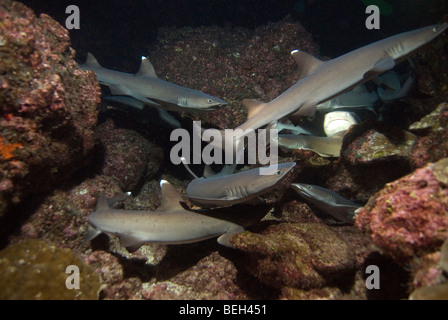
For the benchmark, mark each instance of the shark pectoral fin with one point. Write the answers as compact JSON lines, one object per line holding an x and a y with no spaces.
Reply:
{"x":146,"y":100}
{"x":118,"y":90}
{"x":130,"y":242}
{"x":146,"y":69}
{"x":170,"y":197}
{"x":92,"y":233}
{"x":307,"y":109}
{"x":306,"y":62}
{"x":252,"y":107}
{"x":224,"y":240}
{"x":381,"y":66}
{"x":126,"y":100}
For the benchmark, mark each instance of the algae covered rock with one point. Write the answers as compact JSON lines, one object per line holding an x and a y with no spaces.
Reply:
{"x":433,"y":143}
{"x":296,"y":255}
{"x":36,"y":270}
{"x":408,"y":216}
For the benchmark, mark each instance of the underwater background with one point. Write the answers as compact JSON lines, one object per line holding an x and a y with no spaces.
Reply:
{"x":60,"y":145}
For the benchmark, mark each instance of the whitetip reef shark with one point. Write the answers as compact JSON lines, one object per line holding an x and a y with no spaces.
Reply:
{"x":328,"y":201}
{"x":147,"y":88}
{"x":324,"y":80}
{"x":227,"y":188}
{"x":323,"y":146}
{"x":170,"y":223}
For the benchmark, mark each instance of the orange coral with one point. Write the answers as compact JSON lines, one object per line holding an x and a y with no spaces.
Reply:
{"x":7,"y":149}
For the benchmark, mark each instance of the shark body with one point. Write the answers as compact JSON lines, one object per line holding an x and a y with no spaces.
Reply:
{"x":222,"y":190}
{"x":147,"y":88}
{"x":170,"y":223}
{"x":324,"y":80}
{"x":328,"y":201}
{"x":323,"y":146}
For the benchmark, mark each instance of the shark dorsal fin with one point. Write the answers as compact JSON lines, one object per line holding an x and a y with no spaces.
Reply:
{"x":101,"y":203}
{"x":306,"y":62}
{"x":208,"y":172}
{"x":170,"y":197}
{"x":252,"y":107}
{"x":146,"y":69}
{"x":91,"y":61}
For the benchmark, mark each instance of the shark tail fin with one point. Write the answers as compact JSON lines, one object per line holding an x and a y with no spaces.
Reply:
{"x":91,"y":61}
{"x":252,"y":106}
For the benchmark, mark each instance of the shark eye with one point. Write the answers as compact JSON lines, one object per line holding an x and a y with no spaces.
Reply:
{"x":209,"y":100}
{"x":279,"y":172}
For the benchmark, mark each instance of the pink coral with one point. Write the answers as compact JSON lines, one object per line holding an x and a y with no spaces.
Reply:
{"x":407,"y":215}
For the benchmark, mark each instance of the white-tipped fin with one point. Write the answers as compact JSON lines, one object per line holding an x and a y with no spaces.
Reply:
{"x":146,"y":69}
{"x":170,"y":197}
{"x":306,"y":62}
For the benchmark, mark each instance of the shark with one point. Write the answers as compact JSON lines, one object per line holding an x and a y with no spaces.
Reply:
{"x":227,"y":188}
{"x":145,"y":86}
{"x":328,"y":201}
{"x":323,"y":146}
{"x":320,"y":81}
{"x":170,"y":223}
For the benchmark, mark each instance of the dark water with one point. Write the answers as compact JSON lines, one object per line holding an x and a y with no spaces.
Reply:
{"x":337,"y":26}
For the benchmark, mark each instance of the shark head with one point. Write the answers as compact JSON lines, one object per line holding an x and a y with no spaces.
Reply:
{"x":312,"y":192}
{"x":265,"y":181}
{"x":415,"y":39}
{"x":200,"y":101}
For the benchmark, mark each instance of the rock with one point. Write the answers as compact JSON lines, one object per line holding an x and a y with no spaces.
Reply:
{"x":376,"y":146}
{"x":408,"y":216}
{"x":47,"y":105}
{"x":128,"y":156}
{"x":36,"y":270}
{"x":433,"y":144}
{"x":296,"y":255}
{"x":232,"y":64}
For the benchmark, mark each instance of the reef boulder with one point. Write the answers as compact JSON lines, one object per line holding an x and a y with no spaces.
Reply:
{"x":408,"y":216}
{"x":296,"y":255}
{"x":47,"y":105}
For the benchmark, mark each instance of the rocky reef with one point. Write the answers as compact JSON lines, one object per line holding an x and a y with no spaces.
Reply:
{"x":47,"y":105}
{"x":58,"y":144}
